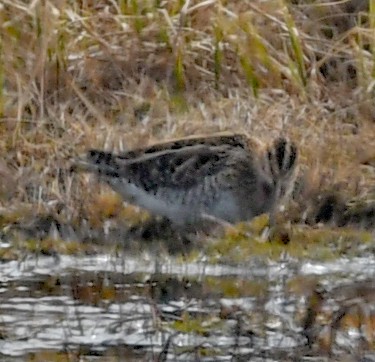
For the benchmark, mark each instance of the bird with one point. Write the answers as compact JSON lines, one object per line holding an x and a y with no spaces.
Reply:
{"x":231,"y":177}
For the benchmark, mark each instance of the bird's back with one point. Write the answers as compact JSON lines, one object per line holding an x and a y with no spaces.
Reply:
{"x":222,"y":176}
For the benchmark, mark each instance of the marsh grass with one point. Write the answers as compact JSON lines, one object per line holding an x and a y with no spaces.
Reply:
{"x":113,"y":75}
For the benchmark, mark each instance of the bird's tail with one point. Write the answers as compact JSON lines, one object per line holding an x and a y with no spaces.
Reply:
{"x":99,"y":162}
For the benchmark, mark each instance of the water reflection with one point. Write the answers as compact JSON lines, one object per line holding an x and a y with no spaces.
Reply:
{"x":147,"y":309}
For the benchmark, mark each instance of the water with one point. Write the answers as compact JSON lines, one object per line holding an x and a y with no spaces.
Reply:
{"x":126,"y":308}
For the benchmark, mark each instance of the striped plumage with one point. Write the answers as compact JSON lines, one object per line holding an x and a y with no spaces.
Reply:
{"x":230,"y":177}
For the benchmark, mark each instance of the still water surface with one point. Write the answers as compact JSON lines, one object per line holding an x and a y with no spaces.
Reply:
{"x":128,"y":308}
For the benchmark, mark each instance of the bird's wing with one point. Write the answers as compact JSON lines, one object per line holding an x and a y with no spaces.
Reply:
{"x":173,"y":168}
{"x":237,"y":140}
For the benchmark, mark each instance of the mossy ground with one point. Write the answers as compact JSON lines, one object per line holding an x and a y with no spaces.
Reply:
{"x":115,"y":75}
{"x":76,"y":75}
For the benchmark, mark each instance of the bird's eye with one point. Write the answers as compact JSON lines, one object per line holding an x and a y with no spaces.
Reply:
{"x":267,"y":188}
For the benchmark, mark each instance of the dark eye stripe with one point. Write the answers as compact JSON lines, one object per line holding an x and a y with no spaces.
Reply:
{"x":282,"y":157}
{"x":280,"y":152}
{"x":292,"y":156}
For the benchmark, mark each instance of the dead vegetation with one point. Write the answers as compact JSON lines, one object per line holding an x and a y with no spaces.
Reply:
{"x":113,"y":75}
{"x":353,"y":309}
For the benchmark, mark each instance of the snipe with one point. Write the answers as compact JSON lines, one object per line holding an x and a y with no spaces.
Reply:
{"x":229,"y":177}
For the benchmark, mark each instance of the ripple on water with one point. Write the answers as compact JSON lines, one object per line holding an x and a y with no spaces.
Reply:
{"x":36,"y":315}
